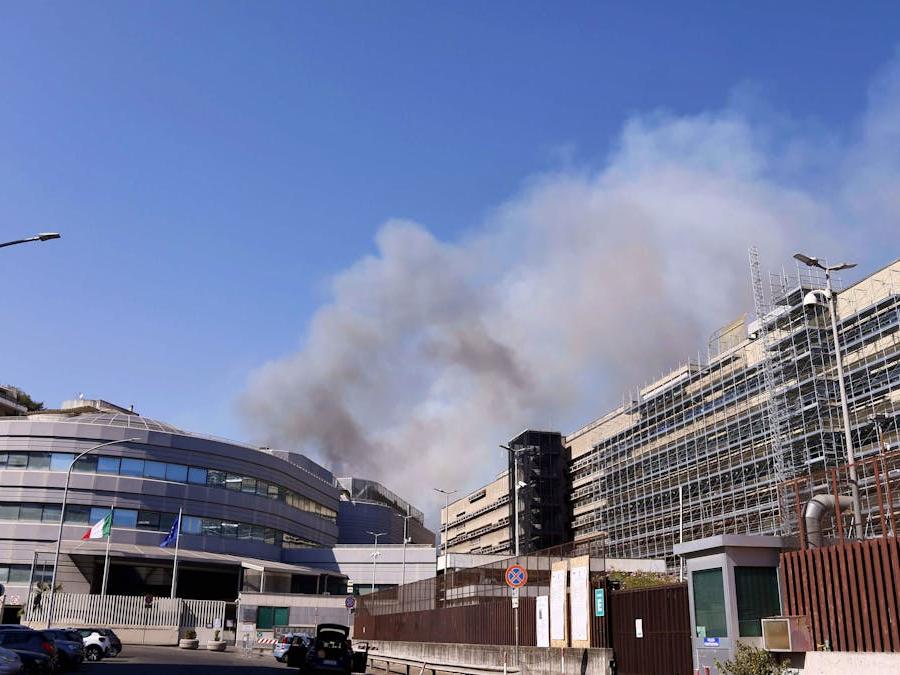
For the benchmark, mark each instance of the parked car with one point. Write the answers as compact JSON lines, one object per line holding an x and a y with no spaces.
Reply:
{"x":96,"y":646}
{"x":69,"y":647}
{"x":10,"y":663}
{"x":34,"y":648}
{"x":330,"y":652}
{"x":115,"y":644}
{"x":280,"y":648}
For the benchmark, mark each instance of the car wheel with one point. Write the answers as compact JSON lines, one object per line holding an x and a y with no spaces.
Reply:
{"x":93,"y":653}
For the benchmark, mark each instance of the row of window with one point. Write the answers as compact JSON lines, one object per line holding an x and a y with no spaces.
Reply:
{"x":154,"y":521}
{"x":176,"y":473}
{"x":21,"y":574}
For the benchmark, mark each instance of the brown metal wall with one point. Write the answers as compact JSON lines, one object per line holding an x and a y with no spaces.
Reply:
{"x":850,"y":593}
{"x":488,"y":623}
{"x":665,"y":648}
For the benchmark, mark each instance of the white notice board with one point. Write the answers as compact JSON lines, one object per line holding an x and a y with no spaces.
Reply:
{"x":558,"y":577}
{"x":542,"y":619}
{"x":580,"y":601}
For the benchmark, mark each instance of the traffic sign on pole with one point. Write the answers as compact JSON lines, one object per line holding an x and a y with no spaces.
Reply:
{"x":350,"y":602}
{"x":516,"y":576}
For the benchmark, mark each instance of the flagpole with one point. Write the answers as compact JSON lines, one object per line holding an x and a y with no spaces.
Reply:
{"x":175,"y":564}
{"x":106,"y":562}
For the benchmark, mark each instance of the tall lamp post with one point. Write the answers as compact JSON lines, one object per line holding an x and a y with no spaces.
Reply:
{"x":406,"y":539}
{"x":375,"y":555}
{"x":62,"y":516}
{"x":43,"y":236}
{"x":517,"y":485}
{"x":830,"y":300}
{"x":444,"y":540}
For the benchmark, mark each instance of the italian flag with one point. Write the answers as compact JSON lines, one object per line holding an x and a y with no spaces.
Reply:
{"x":100,"y":529}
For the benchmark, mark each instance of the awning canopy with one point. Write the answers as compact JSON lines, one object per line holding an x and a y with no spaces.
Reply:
{"x":97,"y":548}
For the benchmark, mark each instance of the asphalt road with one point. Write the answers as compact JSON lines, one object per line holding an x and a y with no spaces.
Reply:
{"x":148,"y":660}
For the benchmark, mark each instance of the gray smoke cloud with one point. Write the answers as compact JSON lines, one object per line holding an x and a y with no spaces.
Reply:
{"x":583,"y":285}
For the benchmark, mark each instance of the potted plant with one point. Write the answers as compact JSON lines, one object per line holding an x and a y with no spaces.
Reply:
{"x":216,"y":645}
{"x":189,"y":641}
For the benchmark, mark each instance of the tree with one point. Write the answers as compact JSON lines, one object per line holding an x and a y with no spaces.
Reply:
{"x":23,"y":398}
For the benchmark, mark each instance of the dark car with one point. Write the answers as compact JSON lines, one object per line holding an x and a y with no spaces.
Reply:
{"x":34,"y":647}
{"x":329,"y":652}
{"x":69,"y":647}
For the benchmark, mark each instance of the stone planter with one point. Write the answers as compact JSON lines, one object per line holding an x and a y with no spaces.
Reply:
{"x":187,"y":643}
{"x":216,"y":645}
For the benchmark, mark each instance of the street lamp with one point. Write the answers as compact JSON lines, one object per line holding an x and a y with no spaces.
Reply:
{"x":375,"y":555}
{"x":444,"y":540}
{"x":42,"y":236}
{"x":406,"y":540}
{"x":828,"y":299}
{"x":62,"y":516}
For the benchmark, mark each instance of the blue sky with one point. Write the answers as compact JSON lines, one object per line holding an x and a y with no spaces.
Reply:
{"x":212,"y":166}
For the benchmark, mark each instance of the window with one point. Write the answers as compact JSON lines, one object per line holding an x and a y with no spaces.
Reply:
{"x":51,"y":513}
{"x":262,"y":488}
{"x":125,"y":518}
{"x":197,"y":476}
{"x":757,"y":598}
{"x":17,"y":461}
{"x":9,"y":511}
{"x":215,"y":478}
{"x":60,"y":461}
{"x":229,"y":530}
{"x":148,"y":520}
{"x":190,"y":525}
{"x":108,"y":464}
{"x":39,"y":460}
{"x":30,"y":512}
{"x":245,"y":531}
{"x":709,"y":603}
{"x":132,"y":467}
{"x":19,"y":574}
{"x":233,"y":482}
{"x":176,"y":472}
{"x":87,"y":464}
{"x":248,"y":485}
{"x":211,"y":528}
{"x":77,"y":513}
{"x":155,"y":470}
{"x":97,"y":514}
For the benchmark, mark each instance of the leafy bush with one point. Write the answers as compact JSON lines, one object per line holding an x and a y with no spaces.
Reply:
{"x":190,"y":634}
{"x":753,"y":661}
{"x":642,"y":579}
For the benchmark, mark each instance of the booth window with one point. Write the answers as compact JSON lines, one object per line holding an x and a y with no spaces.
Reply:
{"x":269,"y":617}
{"x":709,"y":603}
{"x":757,"y":598}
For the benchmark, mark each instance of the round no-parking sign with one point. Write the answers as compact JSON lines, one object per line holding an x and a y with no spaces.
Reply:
{"x":516,"y":576}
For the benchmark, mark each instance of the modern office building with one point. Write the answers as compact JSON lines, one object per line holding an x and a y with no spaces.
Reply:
{"x":702,"y":451}
{"x":479,"y":522}
{"x":367,"y":506}
{"x":9,"y":403}
{"x":244,"y":509}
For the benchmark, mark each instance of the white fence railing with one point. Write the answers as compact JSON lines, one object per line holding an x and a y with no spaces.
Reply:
{"x":77,"y":609}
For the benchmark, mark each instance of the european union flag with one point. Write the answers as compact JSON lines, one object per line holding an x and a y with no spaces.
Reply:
{"x":172,"y":536}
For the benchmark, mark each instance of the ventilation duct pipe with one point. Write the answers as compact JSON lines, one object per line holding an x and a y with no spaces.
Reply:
{"x":816,"y":509}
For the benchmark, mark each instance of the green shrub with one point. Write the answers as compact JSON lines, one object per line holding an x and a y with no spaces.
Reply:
{"x":753,"y":661}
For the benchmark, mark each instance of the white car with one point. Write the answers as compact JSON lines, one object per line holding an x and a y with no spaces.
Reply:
{"x":10,"y":663}
{"x":96,"y":646}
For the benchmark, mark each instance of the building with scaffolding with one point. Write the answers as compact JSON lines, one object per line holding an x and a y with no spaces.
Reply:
{"x":702,"y":450}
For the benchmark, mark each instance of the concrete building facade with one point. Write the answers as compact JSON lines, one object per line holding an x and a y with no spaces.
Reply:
{"x":479,"y":522}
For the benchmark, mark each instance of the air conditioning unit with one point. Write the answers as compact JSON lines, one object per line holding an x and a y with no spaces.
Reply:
{"x":787,"y":634}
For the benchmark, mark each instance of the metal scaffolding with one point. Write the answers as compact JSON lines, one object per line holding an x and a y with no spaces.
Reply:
{"x":757,"y":411}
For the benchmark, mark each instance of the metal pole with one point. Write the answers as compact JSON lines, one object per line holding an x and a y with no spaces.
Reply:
{"x":112,"y":511}
{"x":848,"y":439}
{"x":405,"y":542}
{"x":175,"y":562}
{"x":62,"y":516}
{"x":515,"y":457}
{"x":375,"y":535}
{"x":681,"y":530}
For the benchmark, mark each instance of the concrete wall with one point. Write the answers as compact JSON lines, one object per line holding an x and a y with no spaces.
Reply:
{"x":841,"y":663}
{"x":533,"y":660}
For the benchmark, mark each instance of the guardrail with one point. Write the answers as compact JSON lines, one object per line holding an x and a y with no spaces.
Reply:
{"x":417,"y":667}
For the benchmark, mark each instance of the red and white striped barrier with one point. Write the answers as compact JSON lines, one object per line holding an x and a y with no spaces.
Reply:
{"x":266,"y":641}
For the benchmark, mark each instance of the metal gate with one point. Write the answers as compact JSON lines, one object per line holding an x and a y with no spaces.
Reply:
{"x":651,"y":631}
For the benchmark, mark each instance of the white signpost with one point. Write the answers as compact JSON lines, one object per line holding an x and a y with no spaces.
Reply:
{"x":558,"y":579}
{"x":542,"y":620}
{"x":580,"y":601}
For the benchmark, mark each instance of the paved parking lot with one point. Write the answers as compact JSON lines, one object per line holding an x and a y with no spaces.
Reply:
{"x":148,"y":660}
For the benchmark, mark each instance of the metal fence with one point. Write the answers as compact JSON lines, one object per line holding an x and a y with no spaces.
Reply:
{"x":473,"y":605}
{"x":850,"y":592}
{"x":82,"y":609}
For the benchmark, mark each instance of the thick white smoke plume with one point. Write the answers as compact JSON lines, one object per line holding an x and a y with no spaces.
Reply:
{"x":584,"y":285}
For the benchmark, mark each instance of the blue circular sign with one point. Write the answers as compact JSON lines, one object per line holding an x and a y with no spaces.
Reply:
{"x":516,"y":576}
{"x":350,"y":602}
